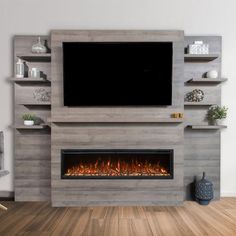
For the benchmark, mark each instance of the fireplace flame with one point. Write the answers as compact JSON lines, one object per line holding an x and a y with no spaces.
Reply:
{"x":117,"y":168}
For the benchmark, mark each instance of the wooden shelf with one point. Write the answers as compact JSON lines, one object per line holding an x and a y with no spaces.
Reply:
{"x":207,"y":127}
{"x":43,"y":126}
{"x":157,"y":120}
{"x":206,"y":80}
{"x":29,"y":80}
{"x":197,"y":104}
{"x":200,"y":57}
{"x":36,"y":104}
{"x":25,"y":101}
{"x":33,"y":57}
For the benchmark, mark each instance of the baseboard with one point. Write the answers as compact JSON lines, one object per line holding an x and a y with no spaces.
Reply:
{"x":6,"y":195}
{"x":228,"y":194}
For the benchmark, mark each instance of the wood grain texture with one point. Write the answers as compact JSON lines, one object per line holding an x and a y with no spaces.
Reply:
{"x":25,"y":93}
{"x":117,"y":192}
{"x":211,"y":127}
{"x":200,"y":57}
{"x":32,"y":165}
{"x":32,"y":146}
{"x":202,"y":146}
{"x":210,"y":93}
{"x":29,"y":80}
{"x":191,"y":219}
{"x":115,"y":114}
{"x":206,"y":80}
{"x":116,"y":127}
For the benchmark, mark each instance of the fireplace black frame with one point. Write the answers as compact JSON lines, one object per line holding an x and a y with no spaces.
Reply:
{"x":123,"y":151}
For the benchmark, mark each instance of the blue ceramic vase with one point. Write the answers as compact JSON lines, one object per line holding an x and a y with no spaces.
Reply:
{"x":204,"y":192}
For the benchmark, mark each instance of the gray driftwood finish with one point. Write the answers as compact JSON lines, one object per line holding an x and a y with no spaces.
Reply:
{"x":32,"y":146}
{"x":60,"y":113}
{"x":37,"y":152}
{"x":117,"y":192}
{"x":202,"y":147}
{"x":114,"y":128}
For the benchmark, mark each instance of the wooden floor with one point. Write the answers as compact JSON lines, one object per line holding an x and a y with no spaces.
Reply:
{"x":218,"y":218}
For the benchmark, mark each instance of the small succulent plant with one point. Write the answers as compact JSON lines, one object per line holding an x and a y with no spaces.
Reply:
{"x":217,"y":113}
{"x":28,"y":117}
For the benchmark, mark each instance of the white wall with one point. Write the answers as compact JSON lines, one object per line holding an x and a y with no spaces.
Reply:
{"x":202,"y":17}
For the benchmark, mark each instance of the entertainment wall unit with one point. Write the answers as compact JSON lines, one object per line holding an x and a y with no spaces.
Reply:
{"x":94,"y":155}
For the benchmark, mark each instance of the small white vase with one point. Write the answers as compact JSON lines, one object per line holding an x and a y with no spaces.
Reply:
{"x":28,"y":122}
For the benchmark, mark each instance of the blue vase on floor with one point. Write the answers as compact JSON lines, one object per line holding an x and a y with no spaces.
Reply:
{"x":204,"y":192}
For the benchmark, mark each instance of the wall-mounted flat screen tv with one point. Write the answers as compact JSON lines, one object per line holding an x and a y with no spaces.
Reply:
{"x":117,"y":73}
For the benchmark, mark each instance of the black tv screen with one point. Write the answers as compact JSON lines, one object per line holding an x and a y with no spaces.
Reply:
{"x":117,"y":73}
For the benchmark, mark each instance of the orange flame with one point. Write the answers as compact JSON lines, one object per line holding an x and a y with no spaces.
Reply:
{"x":117,"y":168}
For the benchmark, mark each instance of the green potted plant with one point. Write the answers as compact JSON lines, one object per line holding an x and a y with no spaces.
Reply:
{"x":216,"y":113}
{"x":28,"y":119}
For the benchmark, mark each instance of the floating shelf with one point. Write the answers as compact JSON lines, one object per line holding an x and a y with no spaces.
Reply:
{"x":200,"y":57}
{"x":158,"y":120}
{"x":197,"y":104}
{"x":206,"y":80}
{"x":36,"y":104}
{"x":209,"y":127}
{"x":43,"y":126}
{"x":29,"y":80}
{"x":31,"y":57}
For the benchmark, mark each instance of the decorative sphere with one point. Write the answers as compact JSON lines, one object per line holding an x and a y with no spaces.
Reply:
{"x":213,"y":74}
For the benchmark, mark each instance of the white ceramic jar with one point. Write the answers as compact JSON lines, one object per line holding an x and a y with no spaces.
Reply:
{"x":28,"y":122}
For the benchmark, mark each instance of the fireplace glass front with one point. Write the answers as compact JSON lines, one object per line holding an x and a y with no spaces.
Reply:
{"x":117,"y":164}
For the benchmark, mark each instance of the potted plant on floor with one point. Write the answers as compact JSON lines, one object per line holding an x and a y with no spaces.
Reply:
{"x":29,"y":119}
{"x":216,"y":114}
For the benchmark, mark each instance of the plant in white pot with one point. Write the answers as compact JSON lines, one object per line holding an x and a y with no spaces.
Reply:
{"x":28,"y":119}
{"x":216,"y":114}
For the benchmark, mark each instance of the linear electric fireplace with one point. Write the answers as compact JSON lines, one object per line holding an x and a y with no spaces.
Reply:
{"x":130,"y":164}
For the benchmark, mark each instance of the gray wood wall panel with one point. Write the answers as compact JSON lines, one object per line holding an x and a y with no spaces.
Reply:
{"x":32,"y":147}
{"x":114,"y":114}
{"x":202,"y":147}
{"x":210,"y":93}
{"x":37,"y":153}
{"x":111,"y":136}
{"x":32,"y":165}
{"x":116,"y":128}
{"x":43,"y":112}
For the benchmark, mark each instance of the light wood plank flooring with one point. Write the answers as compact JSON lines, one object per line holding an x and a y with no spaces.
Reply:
{"x":218,"y":218}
